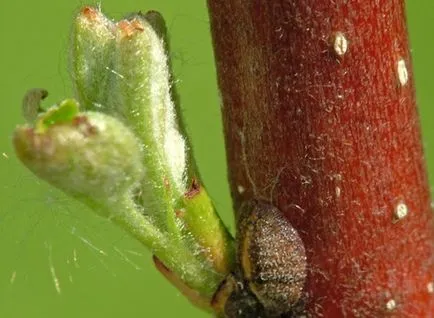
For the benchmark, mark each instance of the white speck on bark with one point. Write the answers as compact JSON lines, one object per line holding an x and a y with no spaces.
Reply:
{"x":402,"y":72}
{"x":430,"y":287}
{"x":391,"y":304}
{"x":401,"y":211}
{"x":241,"y":189}
{"x":340,"y":44}
{"x":338,"y":192}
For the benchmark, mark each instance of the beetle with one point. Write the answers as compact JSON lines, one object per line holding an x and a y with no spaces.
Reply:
{"x":270,"y":268}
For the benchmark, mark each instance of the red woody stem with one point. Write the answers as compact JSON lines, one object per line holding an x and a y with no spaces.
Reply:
{"x":320,"y":119}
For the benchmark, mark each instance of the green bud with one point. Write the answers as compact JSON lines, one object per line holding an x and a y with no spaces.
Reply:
{"x":126,"y":155}
{"x":155,"y":19}
{"x":141,"y":94}
{"x":91,"y":156}
{"x":92,"y":44}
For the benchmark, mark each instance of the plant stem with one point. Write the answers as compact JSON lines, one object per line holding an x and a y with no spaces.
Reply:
{"x":166,"y":248}
{"x":321,"y":120}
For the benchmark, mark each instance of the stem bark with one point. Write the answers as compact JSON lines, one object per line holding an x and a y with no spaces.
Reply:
{"x":321,"y":120}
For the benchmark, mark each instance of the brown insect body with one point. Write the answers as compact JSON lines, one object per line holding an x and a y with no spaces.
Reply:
{"x":271,"y":265}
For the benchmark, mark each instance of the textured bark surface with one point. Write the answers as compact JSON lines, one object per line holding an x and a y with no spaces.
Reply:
{"x":330,"y":135}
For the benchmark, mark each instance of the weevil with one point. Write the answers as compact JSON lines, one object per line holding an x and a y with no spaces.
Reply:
{"x":270,"y":269}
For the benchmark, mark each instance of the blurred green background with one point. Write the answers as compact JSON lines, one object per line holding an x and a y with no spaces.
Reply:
{"x":48,"y":239}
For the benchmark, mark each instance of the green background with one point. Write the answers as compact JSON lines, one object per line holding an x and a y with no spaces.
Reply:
{"x":101,"y":272}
